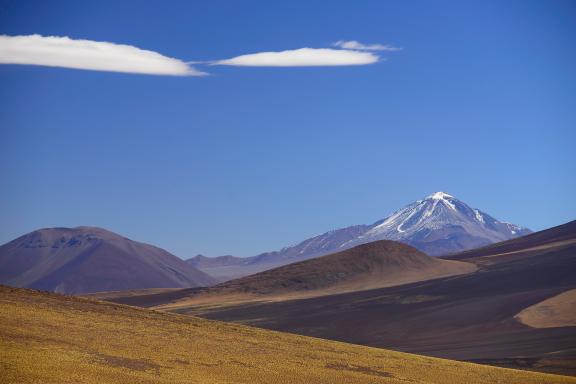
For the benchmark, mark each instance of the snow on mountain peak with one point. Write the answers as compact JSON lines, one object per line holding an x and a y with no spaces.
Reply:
{"x":439,"y":196}
{"x":443,"y":197}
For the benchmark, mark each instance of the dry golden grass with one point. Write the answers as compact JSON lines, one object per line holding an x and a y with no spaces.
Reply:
{"x":47,"y":338}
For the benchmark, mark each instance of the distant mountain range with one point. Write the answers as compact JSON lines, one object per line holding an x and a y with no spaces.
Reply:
{"x":86,"y":259}
{"x":439,"y":224}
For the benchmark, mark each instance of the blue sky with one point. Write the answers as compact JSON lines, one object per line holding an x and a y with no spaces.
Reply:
{"x":480,"y":103}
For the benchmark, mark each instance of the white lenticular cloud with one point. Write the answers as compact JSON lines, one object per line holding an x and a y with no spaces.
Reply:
{"x":303,"y":57}
{"x":54,"y":51}
{"x":353,"y":44}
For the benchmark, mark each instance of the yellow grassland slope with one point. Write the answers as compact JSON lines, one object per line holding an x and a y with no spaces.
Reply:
{"x":48,"y":338}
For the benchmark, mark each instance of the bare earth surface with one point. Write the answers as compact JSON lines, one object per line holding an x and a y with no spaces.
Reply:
{"x":557,"y":311}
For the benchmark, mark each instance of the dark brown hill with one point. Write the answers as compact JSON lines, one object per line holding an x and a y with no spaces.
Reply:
{"x":86,"y":259}
{"x":374,"y":265}
{"x":558,"y":236}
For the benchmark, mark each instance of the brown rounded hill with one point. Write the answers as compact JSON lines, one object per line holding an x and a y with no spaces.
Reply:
{"x":368,"y":266}
{"x":374,"y":265}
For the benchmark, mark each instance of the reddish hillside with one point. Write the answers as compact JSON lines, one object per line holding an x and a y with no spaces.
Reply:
{"x":85,"y":259}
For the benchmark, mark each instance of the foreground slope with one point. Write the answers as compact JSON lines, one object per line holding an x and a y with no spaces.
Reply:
{"x":87,"y":259}
{"x":48,"y":338}
{"x":439,"y":224}
{"x":467,"y":317}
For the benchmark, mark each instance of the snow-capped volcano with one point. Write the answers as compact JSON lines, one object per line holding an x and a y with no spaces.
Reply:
{"x":439,"y":224}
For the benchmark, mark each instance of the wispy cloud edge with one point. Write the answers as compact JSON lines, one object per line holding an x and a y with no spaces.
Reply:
{"x":356,"y":45}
